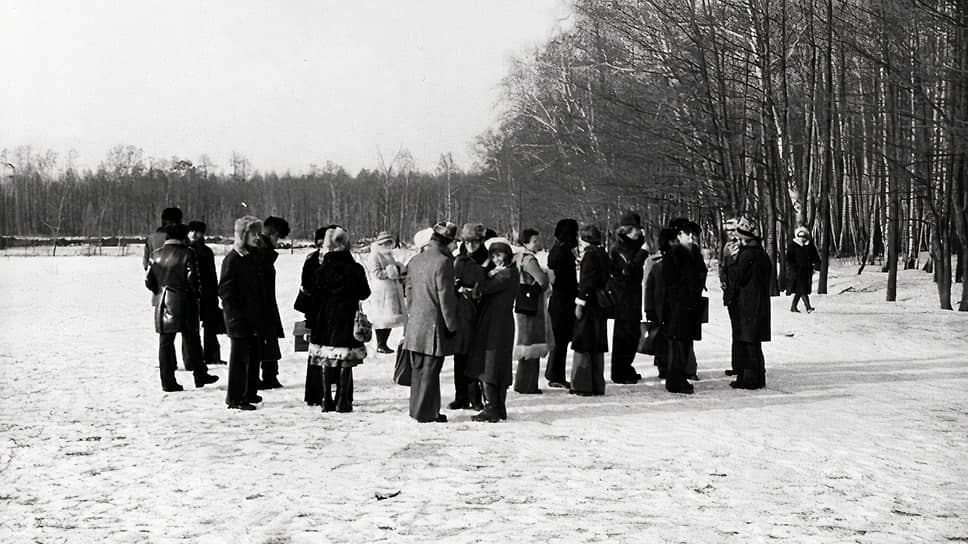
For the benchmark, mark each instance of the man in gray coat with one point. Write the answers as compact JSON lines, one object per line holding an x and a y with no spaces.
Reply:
{"x":431,"y":321}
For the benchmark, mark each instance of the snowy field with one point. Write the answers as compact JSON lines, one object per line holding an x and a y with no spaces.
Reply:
{"x":860,"y":436}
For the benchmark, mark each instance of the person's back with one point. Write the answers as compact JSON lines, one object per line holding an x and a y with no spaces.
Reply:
{"x":173,"y":266}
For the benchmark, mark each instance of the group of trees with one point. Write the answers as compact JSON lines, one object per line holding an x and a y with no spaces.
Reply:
{"x":847,"y":116}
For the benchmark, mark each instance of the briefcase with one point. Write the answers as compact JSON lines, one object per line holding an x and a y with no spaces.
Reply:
{"x":299,"y":331}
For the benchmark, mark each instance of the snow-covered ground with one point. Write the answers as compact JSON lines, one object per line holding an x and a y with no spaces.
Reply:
{"x":860,"y":436}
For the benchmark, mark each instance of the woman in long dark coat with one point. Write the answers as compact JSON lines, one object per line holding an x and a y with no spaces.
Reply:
{"x":492,"y":348}
{"x":340,"y":285}
{"x":683,"y":274}
{"x":801,"y":260}
{"x":749,"y":302}
{"x":590,"y":339}
{"x":627,"y":269}
{"x":313,"y":395}
{"x":468,"y":271}
{"x":561,"y":303}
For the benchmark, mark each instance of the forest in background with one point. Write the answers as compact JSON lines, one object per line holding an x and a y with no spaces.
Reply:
{"x":847,"y":116}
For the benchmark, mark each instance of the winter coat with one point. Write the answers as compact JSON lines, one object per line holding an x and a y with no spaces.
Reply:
{"x":173,"y":279}
{"x":654,"y":291}
{"x":726,"y":258}
{"x":240,"y":288}
{"x":340,"y":284}
{"x":386,"y":307}
{"x":801,"y":260}
{"x":468,"y":273}
{"x":590,"y":334}
{"x":750,"y":305}
{"x":307,"y":281}
{"x":210,"y":312}
{"x":153,"y":242}
{"x":432,"y":307}
{"x":267,"y":260}
{"x":492,"y":348}
{"x":627,"y":259}
{"x":684,"y":277}
{"x":532,"y":333}
{"x":561,"y":262}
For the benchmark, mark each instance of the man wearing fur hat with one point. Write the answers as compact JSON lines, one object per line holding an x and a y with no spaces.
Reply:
{"x":173,"y":278}
{"x":469,"y":271}
{"x":273,"y":230}
{"x":627,"y":259}
{"x":169,"y":216}
{"x":431,"y":321}
{"x":749,"y":304}
{"x":243,"y":305}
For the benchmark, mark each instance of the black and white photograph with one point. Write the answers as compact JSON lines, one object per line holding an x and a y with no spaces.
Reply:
{"x":325,"y":271}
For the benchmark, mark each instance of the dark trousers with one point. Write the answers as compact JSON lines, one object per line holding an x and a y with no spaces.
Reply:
{"x":314,"y":385}
{"x":678,"y":361}
{"x":425,"y":386}
{"x":796,"y":300}
{"x":211,"y":352}
{"x":751,"y":363}
{"x":495,"y":398}
{"x":562,"y":315}
{"x":625,"y":343}
{"x":588,"y":373}
{"x":244,"y":357}
{"x":342,"y":378}
{"x":526,"y":376}
{"x":270,"y":369}
{"x":467,"y":391}
{"x":191,"y":356}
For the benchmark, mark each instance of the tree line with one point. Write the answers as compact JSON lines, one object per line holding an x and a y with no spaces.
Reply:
{"x":847,"y":116}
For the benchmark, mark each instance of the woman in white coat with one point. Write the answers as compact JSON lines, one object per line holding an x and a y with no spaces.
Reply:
{"x":386,"y":307}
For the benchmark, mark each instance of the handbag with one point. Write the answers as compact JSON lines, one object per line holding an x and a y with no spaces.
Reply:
{"x":303,"y":303}
{"x":704,"y":309}
{"x":650,"y":331}
{"x":362,"y":327}
{"x":402,"y":371}
{"x":607,"y":300}
{"x":526,"y":301}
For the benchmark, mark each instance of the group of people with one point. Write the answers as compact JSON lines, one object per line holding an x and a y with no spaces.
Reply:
{"x":466,"y":294}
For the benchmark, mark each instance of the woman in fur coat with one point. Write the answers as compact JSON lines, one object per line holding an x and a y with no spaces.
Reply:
{"x":340,"y":285}
{"x":590,"y":340}
{"x":531,"y":344}
{"x":385,"y":307}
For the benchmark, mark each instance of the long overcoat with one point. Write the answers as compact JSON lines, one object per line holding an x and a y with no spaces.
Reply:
{"x":491,"y":350}
{"x":386,"y":306}
{"x":654,"y":291}
{"x":532,"y":330}
{"x":240,"y":288}
{"x":267,"y":259}
{"x":591,"y":334}
{"x":432,"y":304}
{"x":627,"y":262}
{"x":340,"y":284}
{"x":210,"y":312}
{"x":683,"y":275}
{"x":801,"y":260}
{"x":468,"y":272}
{"x":173,"y":279}
{"x":750,"y":305}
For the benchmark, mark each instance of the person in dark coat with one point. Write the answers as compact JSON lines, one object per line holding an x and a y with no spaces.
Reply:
{"x":469,"y":270}
{"x":531,"y":342}
{"x":561,"y":304}
{"x":726,"y":259}
{"x":749,"y":300}
{"x":655,"y":300}
{"x":340,"y":284}
{"x":243,"y":307}
{"x":173,"y":279}
{"x":492,"y":348}
{"x":169,"y":216}
{"x":801,"y":260}
{"x":211,"y":314}
{"x":627,"y":260}
{"x":313,"y":395}
{"x":683,"y":275}
{"x":432,"y":321}
{"x":273,"y":230}
{"x":590,"y":338}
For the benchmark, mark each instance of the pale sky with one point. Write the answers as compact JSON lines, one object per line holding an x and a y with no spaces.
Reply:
{"x":285,"y":82}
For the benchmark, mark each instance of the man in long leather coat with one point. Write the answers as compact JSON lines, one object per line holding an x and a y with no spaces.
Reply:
{"x":173,"y":278}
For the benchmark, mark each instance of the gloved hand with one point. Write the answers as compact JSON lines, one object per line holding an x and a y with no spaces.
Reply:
{"x":579,"y":311}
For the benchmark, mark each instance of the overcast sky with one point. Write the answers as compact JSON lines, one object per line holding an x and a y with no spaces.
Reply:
{"x":287,"y":83}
